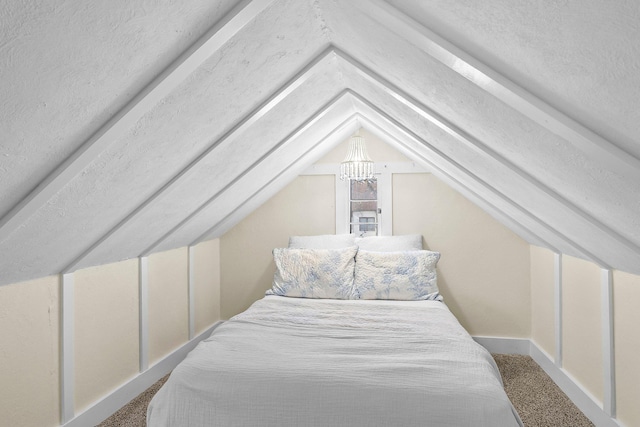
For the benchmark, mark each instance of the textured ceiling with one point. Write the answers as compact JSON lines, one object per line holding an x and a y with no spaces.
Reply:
{"x":132,"y":128}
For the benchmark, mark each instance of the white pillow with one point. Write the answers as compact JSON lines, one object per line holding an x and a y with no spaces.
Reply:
{"x":407,"y":275}
{"x":324,"y":241}
{"x":314,"y":273}
{"x":409,"y":242}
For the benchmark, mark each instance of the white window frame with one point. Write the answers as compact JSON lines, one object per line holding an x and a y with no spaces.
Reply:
{"x":384,"y":174}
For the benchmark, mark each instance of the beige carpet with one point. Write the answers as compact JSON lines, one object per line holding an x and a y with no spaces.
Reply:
{"x":537,"y":399}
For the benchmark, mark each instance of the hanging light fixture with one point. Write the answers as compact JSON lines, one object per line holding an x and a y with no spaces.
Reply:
{"x":357,"y":165}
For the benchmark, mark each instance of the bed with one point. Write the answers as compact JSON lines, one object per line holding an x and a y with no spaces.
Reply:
{"x":337,"y":357}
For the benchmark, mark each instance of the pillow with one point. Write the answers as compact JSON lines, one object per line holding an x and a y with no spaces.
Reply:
{"x":314,"y":273}
{"x":406,"y":275}
{"x":325,"y":241}
{"x":409,"y":242}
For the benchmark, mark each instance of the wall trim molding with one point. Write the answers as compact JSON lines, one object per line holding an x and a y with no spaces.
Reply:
{"x":589,"y":406}
{"x":67,"y":359}
{"x":505,"y":345}
{"x":106,"y":407}
{"x":608,"y":348}
{"x":574,"y":391}
{"x":557,"y":304}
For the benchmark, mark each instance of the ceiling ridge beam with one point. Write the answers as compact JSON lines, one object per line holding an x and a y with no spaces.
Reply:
{"x":578,"y":248}
{"x":213,"y":232}
{"x":503,"y":88}
{"x":324,"y":110}
{"x":233,"y":133}
{"x":219,"y":34}
{"x":481,"y":148}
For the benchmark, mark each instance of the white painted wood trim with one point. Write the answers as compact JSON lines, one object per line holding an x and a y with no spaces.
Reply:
{"x":608,"y":349}
{"x":385,"y":200}
{"x":191,"y":290}
{"x":105,"y":407}
{"x":228,"y":138}
{"x":447,"y":177}
{"x":501,"y":345}
{"x":124,"y":119}
{"x":342,"y":205}
{"x":339,"y":133}
{"x":67,"y":359}
{"x":578,"y":394}
{"x":384,"y":172}
{"x":317,"y":116}
{"x":143,"y":324}
{"x":557,"y":303}
{"x":434,"y":152}
{"x":502,"y":88}
{"x":482,"y":149}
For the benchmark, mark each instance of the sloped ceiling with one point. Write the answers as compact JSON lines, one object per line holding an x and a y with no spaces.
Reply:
{"x":133,"y":128}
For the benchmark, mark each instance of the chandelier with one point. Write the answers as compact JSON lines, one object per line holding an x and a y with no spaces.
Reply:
{"x":357,"y":165}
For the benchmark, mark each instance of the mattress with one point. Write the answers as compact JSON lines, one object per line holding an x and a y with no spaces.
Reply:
{"x":314,"y":362}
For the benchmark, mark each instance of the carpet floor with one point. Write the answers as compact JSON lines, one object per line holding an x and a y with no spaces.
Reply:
{"x":535,"y":396}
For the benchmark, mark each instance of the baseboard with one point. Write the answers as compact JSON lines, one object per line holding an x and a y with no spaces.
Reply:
{"x":578,"y":395}
{"x":106,"y":407}
{"x":505,"y":345}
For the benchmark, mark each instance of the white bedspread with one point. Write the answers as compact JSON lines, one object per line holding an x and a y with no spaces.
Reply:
{"x":302,"y":362}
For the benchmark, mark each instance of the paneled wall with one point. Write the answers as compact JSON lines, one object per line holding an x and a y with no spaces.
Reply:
{"x":579,"y":323}
{"x":106,"y":329}
{"x":29,"y":348}
{"x":104,"y":325}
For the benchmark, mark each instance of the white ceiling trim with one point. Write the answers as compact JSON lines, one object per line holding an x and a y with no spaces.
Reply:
{"x":333,"y":138}
{"x":404,"y":99}
{"x":228,"y":138}
{"x":315,"y":118}
{"x":502,"y":88}
{"x":480,"y":148}
{"x":403,"y":141}
{"x":242,"y":14}
{"x":363,"y":106}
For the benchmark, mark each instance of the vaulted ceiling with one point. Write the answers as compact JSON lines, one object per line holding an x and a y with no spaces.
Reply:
{"x":134,"y":127}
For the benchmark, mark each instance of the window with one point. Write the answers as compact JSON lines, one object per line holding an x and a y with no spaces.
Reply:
{"x":363,"y":207}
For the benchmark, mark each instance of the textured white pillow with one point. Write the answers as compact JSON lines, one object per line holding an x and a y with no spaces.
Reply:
{"x":324,"y":241}
{"x":409,"y":242}
{"x":407,"y":275}
{"x":314,"y":273}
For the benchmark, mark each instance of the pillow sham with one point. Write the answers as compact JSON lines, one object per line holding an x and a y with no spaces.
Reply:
{"x":324,"y":241}
{"x":405,"y":275}
{"x":409,"y":242}
{"x":314,"y":273}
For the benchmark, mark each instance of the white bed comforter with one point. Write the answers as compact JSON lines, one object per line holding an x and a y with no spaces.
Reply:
{"x":301,"y":362}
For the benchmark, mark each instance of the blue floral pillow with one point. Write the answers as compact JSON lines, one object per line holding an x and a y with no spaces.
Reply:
{"x":314,"y":273}
{"x":406,"y":275}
